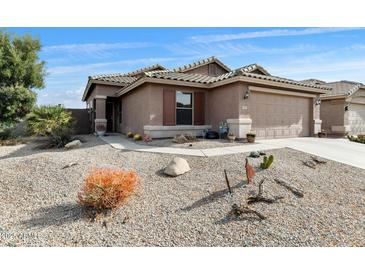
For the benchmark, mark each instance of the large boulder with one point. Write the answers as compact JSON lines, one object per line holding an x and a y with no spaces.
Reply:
{"x":177,"y":167}
{"x":73,"y":144}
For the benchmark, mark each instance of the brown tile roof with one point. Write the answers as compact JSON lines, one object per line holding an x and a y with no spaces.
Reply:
{"x":314,"y":81}
{"x":200,"y":63}
{"x":253,"y":67}
{"x":150,"y":68}
{"x":205,"y":79}
{"x":114,"y":78}
{"x":125,"y":78}
{"x":179,"y":74}
{"x":343,"y":87}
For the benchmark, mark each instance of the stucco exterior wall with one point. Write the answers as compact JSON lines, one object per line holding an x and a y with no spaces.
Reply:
{"x":358,"y":97}
{"x":156,"y":101}
{"x":223,"y":103}
{"x":332,"y":113}
{"x":135,"y":110}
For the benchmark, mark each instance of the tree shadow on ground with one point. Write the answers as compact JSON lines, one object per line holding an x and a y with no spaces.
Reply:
{"x":212,"y":197}
{"x":59,"y":215}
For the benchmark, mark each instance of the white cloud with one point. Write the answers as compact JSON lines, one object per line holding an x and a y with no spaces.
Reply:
{"x":94,"y":47}
{"x":225,"y":49}
{"x":328,"y":71}
{"x":95,"y":66}
{"x":358,"y":64}
{"x":265,"y":33}
{"x":75,"y":92}
{"x":70,"y":98}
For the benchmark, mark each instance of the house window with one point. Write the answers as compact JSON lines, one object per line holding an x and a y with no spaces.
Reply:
{"x":184,"y":108}
{"x":120,"y":111}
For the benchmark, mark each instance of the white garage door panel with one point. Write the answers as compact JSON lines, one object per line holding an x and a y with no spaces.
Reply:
{"x":280,"y":116}
{"x":357,"y":118}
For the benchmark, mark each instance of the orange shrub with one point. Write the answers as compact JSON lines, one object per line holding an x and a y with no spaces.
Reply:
{"x":107,"y":188}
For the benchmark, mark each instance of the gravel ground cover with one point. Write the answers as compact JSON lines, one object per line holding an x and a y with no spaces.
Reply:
{"x":198,"y":144}
{"x":38,"y":201}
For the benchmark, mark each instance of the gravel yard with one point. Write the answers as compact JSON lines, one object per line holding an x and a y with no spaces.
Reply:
{"x":38,"y":201}
{"x":198,"y":144}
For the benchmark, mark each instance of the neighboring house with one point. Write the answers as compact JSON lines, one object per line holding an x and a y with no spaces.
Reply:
{"x":343,"y":108}
{"x":162,"y":102}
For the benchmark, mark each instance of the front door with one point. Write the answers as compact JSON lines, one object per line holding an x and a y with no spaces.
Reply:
{"x":109,"y":116}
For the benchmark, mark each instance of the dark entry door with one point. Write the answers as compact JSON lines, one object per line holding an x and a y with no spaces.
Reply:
{"x":109,"y":116}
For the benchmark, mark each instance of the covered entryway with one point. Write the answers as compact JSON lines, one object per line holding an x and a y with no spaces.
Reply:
{"x":280,"y":116}
{"x":356,"y":116}
{"x":109,"y":115}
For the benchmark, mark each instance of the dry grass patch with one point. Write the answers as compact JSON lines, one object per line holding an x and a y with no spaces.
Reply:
{"x":107,"y":188}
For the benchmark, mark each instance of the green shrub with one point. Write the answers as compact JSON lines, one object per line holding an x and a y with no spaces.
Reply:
{"x":137,"y":137}
{"x":130,"y":134}
{"x":267,"y":162}
{"x":5,"y":133}
{"x":54,"y":122}
{"x":358,"y":139}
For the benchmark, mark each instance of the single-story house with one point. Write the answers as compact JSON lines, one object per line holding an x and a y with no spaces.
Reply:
{"x":343,"y":108}
{"x":164,"y":102}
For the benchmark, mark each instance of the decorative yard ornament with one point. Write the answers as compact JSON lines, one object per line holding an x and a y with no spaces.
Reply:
{"x":250,"y":172}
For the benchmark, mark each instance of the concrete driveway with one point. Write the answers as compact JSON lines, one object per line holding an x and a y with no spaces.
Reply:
{"x":340,"y":150}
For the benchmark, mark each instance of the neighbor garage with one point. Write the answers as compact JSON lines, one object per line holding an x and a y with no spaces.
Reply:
{"x":356,"y":118}
{"x":343,"y":108}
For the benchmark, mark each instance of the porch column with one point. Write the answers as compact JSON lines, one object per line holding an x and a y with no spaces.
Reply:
{"x":317,"y":122}
{"x":100,"y":118}
{"x":239,"y":127}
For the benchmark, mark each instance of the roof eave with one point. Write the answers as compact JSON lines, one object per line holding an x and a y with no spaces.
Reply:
{"x":267,"y":82}
{"x":93,"y":81}
{"x":143,"y":80}
{"x":332,"y":97}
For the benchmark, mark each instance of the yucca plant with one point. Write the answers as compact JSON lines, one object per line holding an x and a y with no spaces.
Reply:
{"x":55,"y":122}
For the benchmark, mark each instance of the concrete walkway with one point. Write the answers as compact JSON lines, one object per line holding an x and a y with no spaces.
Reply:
{"x":120,"y":142}
{"x":340,"y":150}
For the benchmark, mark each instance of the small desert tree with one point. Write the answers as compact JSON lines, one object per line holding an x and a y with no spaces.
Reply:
{"x":54,"y":122}
{"x":21,"y":71}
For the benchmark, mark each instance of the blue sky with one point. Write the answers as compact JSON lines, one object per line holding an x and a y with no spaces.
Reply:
{"x":72,"y":54}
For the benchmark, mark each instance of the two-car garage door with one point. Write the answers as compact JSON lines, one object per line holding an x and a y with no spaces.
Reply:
{"x":356,"y":117}
{"x":280,"y":116}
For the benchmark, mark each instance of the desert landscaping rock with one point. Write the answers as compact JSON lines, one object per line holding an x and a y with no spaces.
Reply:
{"x":176,"y":167}
{"x":38,"y":201}
{"x":73,"y":144}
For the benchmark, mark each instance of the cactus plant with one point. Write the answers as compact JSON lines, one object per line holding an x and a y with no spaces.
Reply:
{"x":267,"y":162}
